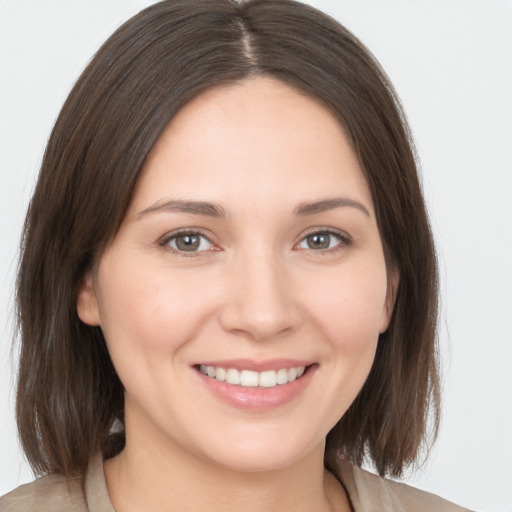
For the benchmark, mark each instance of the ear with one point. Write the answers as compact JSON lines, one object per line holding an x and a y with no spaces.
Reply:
{"x":387,"y":312}
{"x":87,"y":302}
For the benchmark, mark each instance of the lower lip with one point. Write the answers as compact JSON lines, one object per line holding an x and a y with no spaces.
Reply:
{"x":256,"y":398}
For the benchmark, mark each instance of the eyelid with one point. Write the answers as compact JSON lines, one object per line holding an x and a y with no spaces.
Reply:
{"x":166,"y":239}
{"x":345,"y":238}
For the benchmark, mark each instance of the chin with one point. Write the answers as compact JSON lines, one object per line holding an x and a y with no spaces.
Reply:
{"x":260,"y":453}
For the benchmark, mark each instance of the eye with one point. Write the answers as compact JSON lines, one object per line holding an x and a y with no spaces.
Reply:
{"x":322,"y":240}
{"x":188,"y":242}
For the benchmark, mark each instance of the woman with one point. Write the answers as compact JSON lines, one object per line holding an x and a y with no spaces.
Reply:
{"x":228,"y":288}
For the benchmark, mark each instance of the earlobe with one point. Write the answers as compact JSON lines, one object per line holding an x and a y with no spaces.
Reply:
{"x":389,"y":305}
{"x":87,"y":303}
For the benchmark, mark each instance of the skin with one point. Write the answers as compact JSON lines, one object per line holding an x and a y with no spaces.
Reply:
{"x":254,"y":289}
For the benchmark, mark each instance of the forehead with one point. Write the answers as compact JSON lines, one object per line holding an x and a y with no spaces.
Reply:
{"x":260,"y":141}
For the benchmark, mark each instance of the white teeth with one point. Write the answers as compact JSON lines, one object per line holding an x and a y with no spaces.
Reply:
{"x":220,"y":374}
{"x":282,"y":376}
{"x":232,"y":376}
{"x":268,"y":379}
{"x":249,"y":378}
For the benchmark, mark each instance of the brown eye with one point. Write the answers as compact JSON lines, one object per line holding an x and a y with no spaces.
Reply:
{"x":189,"y":242}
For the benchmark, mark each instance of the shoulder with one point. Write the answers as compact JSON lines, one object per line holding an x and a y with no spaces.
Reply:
{"x":53,"y":493}
{"x":371,"y":493}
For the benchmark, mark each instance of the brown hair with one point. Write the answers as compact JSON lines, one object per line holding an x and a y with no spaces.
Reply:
{"x":69,"y":396}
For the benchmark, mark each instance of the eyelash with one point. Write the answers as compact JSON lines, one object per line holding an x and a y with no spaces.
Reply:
{"x":165,"y":242}
{"x":344,"y":241}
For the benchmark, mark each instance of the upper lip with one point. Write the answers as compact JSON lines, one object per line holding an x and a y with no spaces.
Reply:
{"x":255,"y":365}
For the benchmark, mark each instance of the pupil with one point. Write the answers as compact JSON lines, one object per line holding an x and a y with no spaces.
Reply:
{"x":318,"y":241}
{"x":187,"y":242}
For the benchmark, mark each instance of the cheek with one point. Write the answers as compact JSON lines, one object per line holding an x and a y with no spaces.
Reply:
{"x":348,"y":314}
{"x":149,"y":314}
{"x":351,"y":305}
{"x":348,"y":311}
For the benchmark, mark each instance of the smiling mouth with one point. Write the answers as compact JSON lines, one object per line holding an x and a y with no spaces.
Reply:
{"x":253,"y":379}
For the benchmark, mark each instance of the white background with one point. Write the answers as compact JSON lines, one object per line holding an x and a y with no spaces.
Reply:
{"x":451,"y":62}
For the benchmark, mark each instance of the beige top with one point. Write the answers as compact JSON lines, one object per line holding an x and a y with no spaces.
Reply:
{"x":367,"y":493}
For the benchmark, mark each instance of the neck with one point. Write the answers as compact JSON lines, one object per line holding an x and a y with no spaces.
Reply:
{"x":149,"y":478}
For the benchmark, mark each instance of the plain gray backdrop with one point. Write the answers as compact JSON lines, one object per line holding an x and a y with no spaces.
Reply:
{"x":450,"y":61}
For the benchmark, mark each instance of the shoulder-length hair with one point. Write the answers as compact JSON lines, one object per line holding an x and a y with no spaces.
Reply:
{"x":69,"y":398}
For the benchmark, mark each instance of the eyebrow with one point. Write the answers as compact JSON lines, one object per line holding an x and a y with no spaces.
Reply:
{"x":203,"y":208}
{"x":314,"y":207}
{"x":214,"y":210}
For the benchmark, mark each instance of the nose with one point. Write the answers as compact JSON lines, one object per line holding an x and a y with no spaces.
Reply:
{"x":260,"y":302}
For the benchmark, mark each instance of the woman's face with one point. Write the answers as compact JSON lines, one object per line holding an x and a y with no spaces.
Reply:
{"x":250,"y":252}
